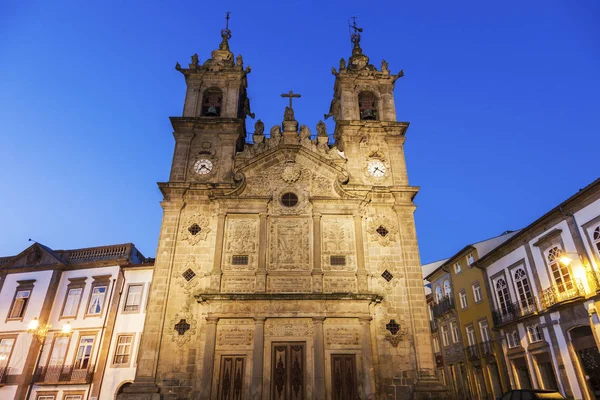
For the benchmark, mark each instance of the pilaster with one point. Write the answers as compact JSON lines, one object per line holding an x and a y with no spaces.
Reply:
{"x":361,"y":273}
{"x":317,"y":273}
{"x":367,"y":353}
{"x":261,"y":273}
{"x":209,"y":358}
{"x":319,"y":358}
{"x":258,"y":357}
{"x":215,"y":275}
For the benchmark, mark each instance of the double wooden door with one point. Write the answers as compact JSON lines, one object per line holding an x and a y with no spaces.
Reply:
{"x":231,"y":379}
{"x":287,"y":366}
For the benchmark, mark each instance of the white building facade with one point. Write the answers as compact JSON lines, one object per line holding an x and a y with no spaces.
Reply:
{"x":89,"y":308}
{"x":544,"y":284}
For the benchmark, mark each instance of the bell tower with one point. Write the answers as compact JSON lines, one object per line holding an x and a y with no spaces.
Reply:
{"x":365,"y":115}
{"x":212,"y":127}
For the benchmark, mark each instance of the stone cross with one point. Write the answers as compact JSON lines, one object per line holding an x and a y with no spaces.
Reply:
{"x":291,"y":95}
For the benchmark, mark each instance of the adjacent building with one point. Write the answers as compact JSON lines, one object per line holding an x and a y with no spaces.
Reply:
{"x":71,"y":321}
{"x":544,"y":284}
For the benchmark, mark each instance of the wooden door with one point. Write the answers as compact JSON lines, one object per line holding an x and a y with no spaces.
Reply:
{"x":231,"y":378}
{"x":287,"y":376}
{"x":343,"y":377}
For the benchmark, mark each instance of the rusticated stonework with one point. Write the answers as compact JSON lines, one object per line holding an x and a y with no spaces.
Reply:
{"x":274,"y":254}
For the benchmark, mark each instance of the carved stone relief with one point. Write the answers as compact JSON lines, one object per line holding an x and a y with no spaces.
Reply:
{"x":238,"y":284}
{"x":183,"y":271}
{"x":241,"y":244}
{"x":339,"y":284}
{"x":289,"y":244}
{"x":235,"y":333}
{"x":338,"y":243}
{"x":194,"y":228}
{"x":289,"y":284}
{"x":186,"y":317}
{"x":342,"y":337}
{"x":382,"y":229}
{"x":388,"y":265}
{"x":289,"y":327}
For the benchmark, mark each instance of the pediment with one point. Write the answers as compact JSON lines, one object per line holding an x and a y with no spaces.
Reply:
{"x":293,"y":168}
{"x":34,"y":256}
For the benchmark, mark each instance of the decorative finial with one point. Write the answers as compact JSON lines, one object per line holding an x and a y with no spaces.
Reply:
{"x":225,"y":33}
{"x":355,"y":36}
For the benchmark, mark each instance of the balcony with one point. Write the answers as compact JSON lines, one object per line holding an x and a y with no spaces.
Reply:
{"x":4,"y":372}
{"x":444,"y":306}
{"x":514,"y":311}
{"x":557,"y":294}
{"x":472,"y":352}
{"x":487,"y":348}
{"x":66,"y":374}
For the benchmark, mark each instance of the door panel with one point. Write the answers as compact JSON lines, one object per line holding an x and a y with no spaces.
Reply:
{"x":343,"y":371}
{"x":287,"y":377}
{"x":231,"y":379}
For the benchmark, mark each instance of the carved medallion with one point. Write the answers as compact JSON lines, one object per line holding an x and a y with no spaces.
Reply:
{"x":291,"y":172}
{"x":182,"y":326}
{"x":194,"y":228}
{"x":382,"y":229}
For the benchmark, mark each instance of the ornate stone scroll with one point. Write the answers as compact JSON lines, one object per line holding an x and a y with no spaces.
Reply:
{"x":289,"y":244}
{"x":187,"y":318}
{"x":235,"y":333}
{"x":289,"y":327}
{"x":382,"y":229}
{"x":289,"y":284}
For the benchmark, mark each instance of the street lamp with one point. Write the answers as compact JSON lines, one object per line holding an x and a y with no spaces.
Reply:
{"x":40,"y":331}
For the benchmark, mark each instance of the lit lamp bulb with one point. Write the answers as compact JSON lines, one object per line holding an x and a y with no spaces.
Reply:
{"x":565,"y":260}
{"x":33,"y":325}
{"x":66,"y":328}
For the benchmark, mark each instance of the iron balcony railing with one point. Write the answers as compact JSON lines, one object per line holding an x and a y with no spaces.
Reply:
{"x":556,"y":294}
{"x":472,"y":352}
{"x":487,"y":348}
{"x":444,"y":306}
{"x":63,"y":374}
{"x":433,"y":325}
{"x":4,"y":371}
{"x":514,"y":311}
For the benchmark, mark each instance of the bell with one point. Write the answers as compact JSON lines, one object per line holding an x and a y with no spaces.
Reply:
{"x":368,"y":114}
{"x":212,"y":112}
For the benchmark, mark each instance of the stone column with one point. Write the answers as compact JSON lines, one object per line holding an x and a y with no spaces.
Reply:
{"x":215,"y":275}
{"x":209,"y":357}
{"x":367,"y":353}
{"x":317,"y":273}
{"x":261,"y":273}
{"x":319,"y":358}
{"x":361,"y":272}
{"x":258,"y":358}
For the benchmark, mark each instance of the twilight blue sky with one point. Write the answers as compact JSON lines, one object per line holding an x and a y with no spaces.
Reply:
{"x":503,"y":100}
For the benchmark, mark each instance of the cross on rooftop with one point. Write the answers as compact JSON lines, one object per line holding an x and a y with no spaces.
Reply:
{"x":291,"y":95}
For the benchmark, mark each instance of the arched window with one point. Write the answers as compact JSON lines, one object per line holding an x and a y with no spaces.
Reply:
{"x":560,"y":272}
{"x":367,"y":104}
{"x":211,"y":102}
{"x":502,"y":295}
{"x":523,"y":288}
{"x":438,"y":294}
{"x":447,"y":290}
{"x":597,"y":239}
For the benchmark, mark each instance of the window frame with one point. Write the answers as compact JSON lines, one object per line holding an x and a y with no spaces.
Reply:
{"x":447,"y":289}
{"x":52,"y":346}
{"x":507,"y":300}
{"x":560,"y":269}
{"x":14,"y":337}
{"x":82,"y":334}
{"x":470,"y":259}
{"x":141,"y":298}
{"x":516,"y":340}
{"x":519,"y":286}
{"x":457,"y":268}
{"x":132,"y":335}
{"x":74,"y":283}
{"x":462,"y":297}
{"x":538,"y":332}
{"x":436,"y":345}
{"x":23,"y":285}
{"x":445,"y":335}
{"x":454,"y":332}
{"x":471,"y":329}
{"x":99,"y":281}
{"x":67,"y":393}
{"x":488,"y":335}
{"x":473,"y":286}
{"x":50,"y":394}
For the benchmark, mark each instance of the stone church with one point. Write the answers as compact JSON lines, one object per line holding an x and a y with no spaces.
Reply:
{"x":287,"y":267}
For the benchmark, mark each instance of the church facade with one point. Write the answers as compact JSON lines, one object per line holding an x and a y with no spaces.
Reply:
{"x":287,"y":267}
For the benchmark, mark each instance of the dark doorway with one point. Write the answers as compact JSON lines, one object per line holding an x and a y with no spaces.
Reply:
{"x":343,"y":377}
{"x":287,"y":377}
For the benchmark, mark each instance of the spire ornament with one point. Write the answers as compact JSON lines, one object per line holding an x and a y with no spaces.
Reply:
{"x":357,"y":60}
{"x":225,"y":33}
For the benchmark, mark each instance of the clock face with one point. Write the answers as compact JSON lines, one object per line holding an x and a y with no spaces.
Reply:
{"x":203,"y":167}
{"x":376,"y":169}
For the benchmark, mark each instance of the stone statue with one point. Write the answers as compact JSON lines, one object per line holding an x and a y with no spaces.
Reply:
{"x":177,"y":67}
{"x":304,"y":133}
{"x":288,"y":114}
{"x":342,"y":64}
{"x":333,"y":71}
{"x":321,"y":129}
{"x":239,"y":61}
{"x":195,"y":59}
{"x":259,"y":127}
{"x":384,"y":66}
{"x":247,"y":108}
{"x":275,"y":131}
